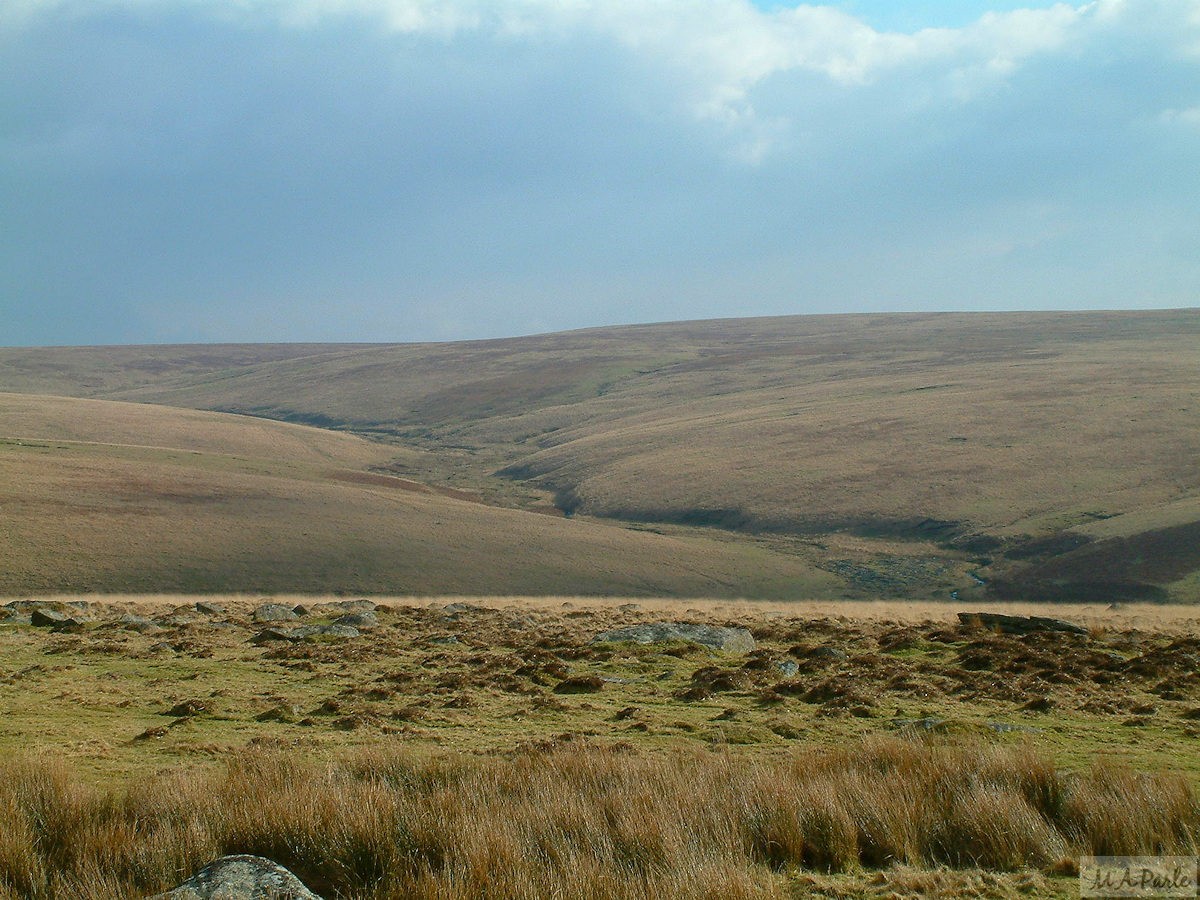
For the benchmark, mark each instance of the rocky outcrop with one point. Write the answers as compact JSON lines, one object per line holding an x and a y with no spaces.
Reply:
{"x":716,"y":637}
{"x":241,"y":878}
{"x":275,"y":612}
{"x":303,"y":632}
{"x":1019,"y":624}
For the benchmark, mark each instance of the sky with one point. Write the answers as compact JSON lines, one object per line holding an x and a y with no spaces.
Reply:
{"x":415,"y":170}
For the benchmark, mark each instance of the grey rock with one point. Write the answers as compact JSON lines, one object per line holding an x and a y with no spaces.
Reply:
{"x":787,"y":667}
{"x":929,"y":723}
{"x":1019,"y":624}
{"x":241,"y":878}
{"x":305,"y":631}
{"x":336,"y":630}
{"x":274,"y":612}
{"x":1006,"y":728}
{"x":730,"y":640}
{"x":138,"y":623}
{"x":177,"y":620}
{"x":210,"y":609}
{"x":301,"y":610}
{"x":346,"y":606}
{"x":452,"y":608}
{"x":366,"y":619}
{"x":44,"y":617}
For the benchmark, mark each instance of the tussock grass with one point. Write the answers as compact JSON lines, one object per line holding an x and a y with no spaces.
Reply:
{"x":581,"y":821}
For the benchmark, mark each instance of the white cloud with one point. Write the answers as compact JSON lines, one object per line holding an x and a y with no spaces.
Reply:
{"x":718,"y":52}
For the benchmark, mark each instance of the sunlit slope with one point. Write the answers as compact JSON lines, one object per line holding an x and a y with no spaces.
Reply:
{"x":1002,"y":422}
{"x":247,"y":505}
{"x":1002,"y":437}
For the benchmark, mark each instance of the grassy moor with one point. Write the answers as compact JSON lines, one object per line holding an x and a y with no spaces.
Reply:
{"x":499,"y":749}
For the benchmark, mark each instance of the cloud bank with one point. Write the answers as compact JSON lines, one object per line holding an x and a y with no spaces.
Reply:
{"x":414,"y":170}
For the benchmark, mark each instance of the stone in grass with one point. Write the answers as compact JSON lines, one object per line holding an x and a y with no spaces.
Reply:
{"x":304,"y":632}
{"x":716,"y":637}
{"x":48,"y":618}
{"x":365,"y":619}
{"x":210,"y":609}
{"x":139,"y":623}
{"x":241,"y":878}
{"x":274,"y":612}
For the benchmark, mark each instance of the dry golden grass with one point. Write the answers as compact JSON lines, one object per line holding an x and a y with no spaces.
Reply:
{"x":583,"y":823}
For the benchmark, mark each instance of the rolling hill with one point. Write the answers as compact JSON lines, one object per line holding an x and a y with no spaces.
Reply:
{"x":102,"y":496}
{"x":1019,"y":455}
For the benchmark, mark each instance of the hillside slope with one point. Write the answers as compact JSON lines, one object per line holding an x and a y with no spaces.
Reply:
{"x":105,"y":496}
{"x":1003,"y":439}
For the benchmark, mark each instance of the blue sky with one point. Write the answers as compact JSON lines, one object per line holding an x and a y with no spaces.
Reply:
{"x":210,"y":170}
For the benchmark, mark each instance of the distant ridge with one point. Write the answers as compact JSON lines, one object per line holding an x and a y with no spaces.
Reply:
{"x":899,"y":454}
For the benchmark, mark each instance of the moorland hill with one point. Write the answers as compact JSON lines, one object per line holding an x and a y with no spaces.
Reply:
{"x":1019,"y":455}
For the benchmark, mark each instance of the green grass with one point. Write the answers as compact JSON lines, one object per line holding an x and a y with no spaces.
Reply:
{"x":492,"y":689}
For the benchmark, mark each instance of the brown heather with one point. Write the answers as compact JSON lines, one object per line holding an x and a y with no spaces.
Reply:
{"x":585,"y":822}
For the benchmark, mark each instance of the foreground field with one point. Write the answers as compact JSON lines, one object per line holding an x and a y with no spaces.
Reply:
{"x":1042,"y":456}
{"x":494,"y":749}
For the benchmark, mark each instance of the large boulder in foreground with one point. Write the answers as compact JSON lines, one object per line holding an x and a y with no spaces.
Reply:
{"x":241,"y":878}
{"x":730,"y":640}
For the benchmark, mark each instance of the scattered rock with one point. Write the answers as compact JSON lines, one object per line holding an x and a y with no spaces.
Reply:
{"x":241,"y":878}
{"x":301,"y":610}
{"x":274,"y":612}
{"x":210,"y":609}
{"x":787,"y":668}
{"x":730,"y":640}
